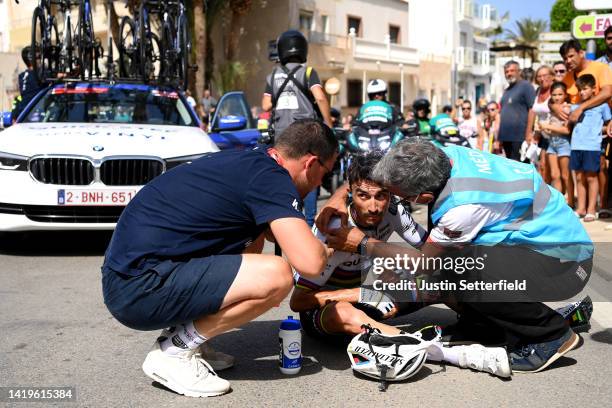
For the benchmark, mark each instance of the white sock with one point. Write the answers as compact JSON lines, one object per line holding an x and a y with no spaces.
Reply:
{"x":437,"y":352}
{"x":184,"y":337}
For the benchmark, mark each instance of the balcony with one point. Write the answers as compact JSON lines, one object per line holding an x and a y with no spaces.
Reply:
{"x":482,"y":17}
{"x":382,"y":50}
{"x":472,"y":61}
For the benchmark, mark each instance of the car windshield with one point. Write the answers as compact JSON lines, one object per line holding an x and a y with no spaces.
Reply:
{"x":102,"y":103}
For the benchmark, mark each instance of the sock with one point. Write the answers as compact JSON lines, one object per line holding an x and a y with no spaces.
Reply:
{"x":183,"y":337}
{"x":437,"y":352}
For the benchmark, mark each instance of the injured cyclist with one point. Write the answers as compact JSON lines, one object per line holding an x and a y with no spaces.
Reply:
{"x":334,"y":305}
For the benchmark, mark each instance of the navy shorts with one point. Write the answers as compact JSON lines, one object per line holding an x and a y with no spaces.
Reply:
{"x":170,"y":292}
{"x":585,"y":160}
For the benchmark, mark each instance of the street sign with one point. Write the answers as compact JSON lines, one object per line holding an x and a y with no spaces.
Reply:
{"x":591,"y":26}
{"x":592,"y":4}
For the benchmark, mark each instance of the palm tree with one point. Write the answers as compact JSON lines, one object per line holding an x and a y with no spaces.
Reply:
{"x":527,"y":31}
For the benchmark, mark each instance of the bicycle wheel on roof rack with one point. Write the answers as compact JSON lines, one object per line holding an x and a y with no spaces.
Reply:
{"x":145,"y":46}
{"x":184,"y":45}
{"x":167,"y":64}
{"x":86,"y":40}
{"x":37,"y":42}
{"x":127,"y":48}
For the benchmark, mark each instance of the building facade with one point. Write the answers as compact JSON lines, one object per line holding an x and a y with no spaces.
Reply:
{"x":353,"y":41}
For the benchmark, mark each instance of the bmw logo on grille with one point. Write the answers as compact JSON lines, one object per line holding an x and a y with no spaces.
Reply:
{"x":98,"y":148}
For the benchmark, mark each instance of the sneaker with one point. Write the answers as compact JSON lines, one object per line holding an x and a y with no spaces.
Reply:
{"x":185,"y":373}
{"x":217,"y":360}
{"x":536,"y":357}
{"x":578,"y":314}
{"x":493,"y":360}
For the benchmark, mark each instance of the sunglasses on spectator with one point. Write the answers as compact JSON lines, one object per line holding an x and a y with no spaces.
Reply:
{"x":560,"y":71}
{"x":465,"y":108}
{"x":492,"y":109}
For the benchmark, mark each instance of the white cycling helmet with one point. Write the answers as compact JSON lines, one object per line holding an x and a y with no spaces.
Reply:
{"x":376,"y":86}
{"x":387,"y":358}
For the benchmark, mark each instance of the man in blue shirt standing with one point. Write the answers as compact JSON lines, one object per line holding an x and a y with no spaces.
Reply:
{"x":516,"y":104}
{"x":186,"y":252}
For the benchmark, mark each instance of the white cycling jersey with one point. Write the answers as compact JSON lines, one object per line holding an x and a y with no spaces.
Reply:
{"x":344,"y":269}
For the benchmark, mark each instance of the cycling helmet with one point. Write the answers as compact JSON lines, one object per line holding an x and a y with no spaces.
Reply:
{"x":376,"y":86}
{"x":26,"y":55}
{"x":292,"y":43}
{"x":420,"y":104}
{"x":387,"y":358}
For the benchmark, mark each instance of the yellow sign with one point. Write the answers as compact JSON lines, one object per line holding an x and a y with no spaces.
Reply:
{"x":590,"y":26}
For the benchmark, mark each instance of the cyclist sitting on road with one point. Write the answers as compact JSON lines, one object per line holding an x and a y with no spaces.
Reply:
{"x":332,"y":306}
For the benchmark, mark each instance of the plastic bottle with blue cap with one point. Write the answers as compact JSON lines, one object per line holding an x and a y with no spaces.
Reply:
{"x":290,"y":346}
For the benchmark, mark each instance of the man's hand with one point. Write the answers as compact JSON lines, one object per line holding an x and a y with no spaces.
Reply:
{"x":345,"y":239}
{"x":336,"y":205}
{"x":575,"y":115}
{"x":609,"y":129}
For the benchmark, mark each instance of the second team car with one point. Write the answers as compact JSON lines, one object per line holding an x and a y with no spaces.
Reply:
{"x":81,"y":151}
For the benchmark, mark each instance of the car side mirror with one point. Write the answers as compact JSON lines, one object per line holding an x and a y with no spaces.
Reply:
{"x":231,"y":122}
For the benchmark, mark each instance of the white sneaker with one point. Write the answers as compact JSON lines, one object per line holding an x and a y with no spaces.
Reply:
{"x":217,"y":360}
{"x":492,"y":360}
{"x":185,"y":373}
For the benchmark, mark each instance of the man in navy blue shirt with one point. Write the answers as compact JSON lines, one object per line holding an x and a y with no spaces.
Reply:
{"x":186,"y":252}
{"x":516,"y":102}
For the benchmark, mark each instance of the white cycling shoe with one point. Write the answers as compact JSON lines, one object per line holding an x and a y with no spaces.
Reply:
{"x":185,"y":373}
{"x":493,"y":360}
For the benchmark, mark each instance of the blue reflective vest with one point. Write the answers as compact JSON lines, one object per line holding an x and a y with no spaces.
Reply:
{"x":540,"y":218}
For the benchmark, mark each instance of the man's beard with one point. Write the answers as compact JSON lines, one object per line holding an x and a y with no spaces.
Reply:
{"x":511,"y":80}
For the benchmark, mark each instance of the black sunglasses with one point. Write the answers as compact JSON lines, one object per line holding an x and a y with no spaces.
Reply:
{"x":327,"y":170}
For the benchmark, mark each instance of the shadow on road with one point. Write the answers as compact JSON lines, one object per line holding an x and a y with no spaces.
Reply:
{"x":603,"y":336}
{"x":54,"y":243}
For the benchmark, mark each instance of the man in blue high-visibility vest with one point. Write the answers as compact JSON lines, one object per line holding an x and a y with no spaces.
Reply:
{"x":507,"y":240}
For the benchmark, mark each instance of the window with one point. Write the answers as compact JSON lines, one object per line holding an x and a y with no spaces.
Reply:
{"x":354,"y":88}
{"x":305,"y":21}
{"x":325,"y":24}
{"x":463,"y":39}
{"x":354,"y":22}
{"x":395,"y":90}
{"x":394,"y":34}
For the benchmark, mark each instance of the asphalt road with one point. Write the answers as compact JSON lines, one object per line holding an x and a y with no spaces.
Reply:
{"x":56,"y":331}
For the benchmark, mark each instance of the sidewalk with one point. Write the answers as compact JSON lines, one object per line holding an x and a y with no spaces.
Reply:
{"x":599,"y":230}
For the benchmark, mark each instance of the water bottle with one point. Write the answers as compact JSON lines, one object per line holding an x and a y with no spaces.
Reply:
{"x":290,"y":345}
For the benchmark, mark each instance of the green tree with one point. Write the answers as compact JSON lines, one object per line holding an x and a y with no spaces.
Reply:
{"x":527,"y":31}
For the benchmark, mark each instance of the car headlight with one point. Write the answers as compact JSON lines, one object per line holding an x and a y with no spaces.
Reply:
{"x":175,"y":161}
{"x":10,"y":161}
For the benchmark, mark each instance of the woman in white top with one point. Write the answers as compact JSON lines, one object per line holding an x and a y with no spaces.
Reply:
{"x":540,"y":112}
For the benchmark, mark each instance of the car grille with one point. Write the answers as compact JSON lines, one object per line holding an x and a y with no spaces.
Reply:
{"x":129,"y":172}
{"x":62,"y":170}
{"x":68,"y":214}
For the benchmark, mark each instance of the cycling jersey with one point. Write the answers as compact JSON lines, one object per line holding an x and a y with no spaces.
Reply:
{"x":376,"y":111}
{"x":441,"y":121}
{"x":344,"y":269}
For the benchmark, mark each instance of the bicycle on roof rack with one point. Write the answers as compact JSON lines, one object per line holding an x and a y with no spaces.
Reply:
{"x":165,"y":57}
{"x":52,"y":55}
{"x":139,"y":47}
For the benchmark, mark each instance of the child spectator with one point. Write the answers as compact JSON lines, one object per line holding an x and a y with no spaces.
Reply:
{"x":559,"y":149}
{"x":586,"y":148}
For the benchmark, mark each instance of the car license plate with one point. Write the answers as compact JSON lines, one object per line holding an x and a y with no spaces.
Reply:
{"x":95,"y":197}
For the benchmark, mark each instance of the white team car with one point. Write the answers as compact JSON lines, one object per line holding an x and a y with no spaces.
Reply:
{"x":81,"y":151}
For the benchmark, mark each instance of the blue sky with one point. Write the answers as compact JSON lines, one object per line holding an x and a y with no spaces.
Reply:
{"x":522,"y":8}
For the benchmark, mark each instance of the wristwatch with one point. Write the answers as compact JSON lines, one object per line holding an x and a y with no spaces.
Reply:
{"x":362,"y":247}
